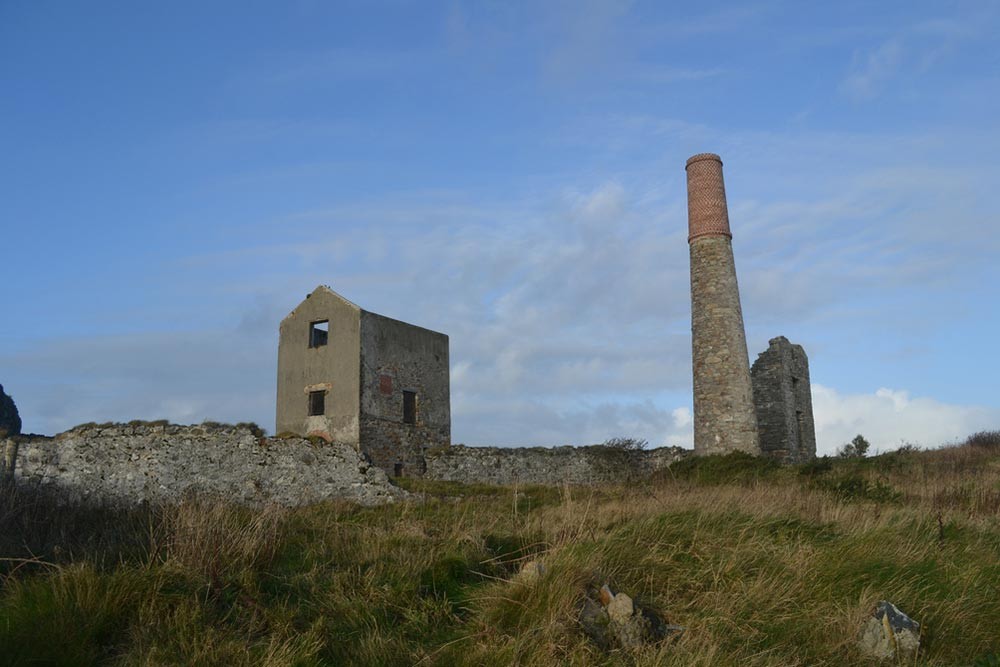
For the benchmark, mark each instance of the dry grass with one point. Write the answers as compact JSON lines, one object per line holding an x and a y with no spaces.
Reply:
{"x":777,"y":567}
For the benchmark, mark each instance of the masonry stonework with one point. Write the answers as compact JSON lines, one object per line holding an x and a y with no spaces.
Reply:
{"x":783,"y":401}
{"x":355,"y":377}
{"x":724,"y":417}
{"x":129,"y":464}
{"x":548,"y":465}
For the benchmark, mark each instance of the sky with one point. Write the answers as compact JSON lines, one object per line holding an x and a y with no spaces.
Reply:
{"x":176,"y":177}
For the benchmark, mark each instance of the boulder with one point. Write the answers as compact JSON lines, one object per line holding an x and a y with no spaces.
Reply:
{"x":10,"y":421}
{"x":889,"y":633}
{"x":616,"y":621}
{"x":530,"y":572}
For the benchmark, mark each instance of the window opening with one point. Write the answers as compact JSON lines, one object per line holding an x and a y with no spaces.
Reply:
{"x":317,"y":403}
{"x":319,"y":333}
{"x":409,"y":407}
{"x":397,"y":470}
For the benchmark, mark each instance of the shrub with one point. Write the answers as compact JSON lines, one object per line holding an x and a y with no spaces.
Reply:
{"x":984,"y":440}
{"x":855,"y":449}
{"x":10,"y":420}
{"x":628,"y":444}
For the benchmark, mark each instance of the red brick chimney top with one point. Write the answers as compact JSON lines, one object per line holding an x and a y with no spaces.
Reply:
{"x":707,"y":211}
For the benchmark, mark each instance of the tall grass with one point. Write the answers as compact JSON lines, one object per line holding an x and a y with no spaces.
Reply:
{"x":762,"y":565}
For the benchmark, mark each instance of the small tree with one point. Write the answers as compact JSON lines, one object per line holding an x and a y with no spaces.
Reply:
{"x":855,"y":449}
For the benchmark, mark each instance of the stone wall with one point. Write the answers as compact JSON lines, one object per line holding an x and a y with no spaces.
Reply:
{"x":783,"y":401}
{"x":125,"y":464}
{"x":542,"y":465}
{"x":397,"y":358}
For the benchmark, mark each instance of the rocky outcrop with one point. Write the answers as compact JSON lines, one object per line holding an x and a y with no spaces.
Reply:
{"x":10,"y":420}
{"x":543,"y":465}
{"x":128,"y":464}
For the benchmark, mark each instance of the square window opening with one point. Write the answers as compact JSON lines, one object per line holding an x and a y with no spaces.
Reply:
{"x":319,"y":333}
{"x":317,"y":403}
{"x":409,"y":407}
{"x":397,"y":470}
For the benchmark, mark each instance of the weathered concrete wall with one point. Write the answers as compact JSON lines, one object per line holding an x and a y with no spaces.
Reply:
{"x":398,"y":357}
{"x":542,"y":465}
{"x":783,"y":400}
{"x":333,"y":368}
{"x":724,"y":418}
{"x":127,"y":464}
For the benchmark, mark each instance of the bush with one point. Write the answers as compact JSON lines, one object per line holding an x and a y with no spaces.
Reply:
{"x":10,"y":420}
{"x":628,"y":444}
{"x":855,"y":449}
{"x":984,"y":440}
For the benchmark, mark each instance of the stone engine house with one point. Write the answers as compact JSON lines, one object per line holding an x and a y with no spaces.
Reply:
{"x":783,"y":402}
{"x":351,"y":376}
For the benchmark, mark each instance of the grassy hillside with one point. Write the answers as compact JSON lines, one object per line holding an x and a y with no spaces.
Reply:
{"x":762,"y":565}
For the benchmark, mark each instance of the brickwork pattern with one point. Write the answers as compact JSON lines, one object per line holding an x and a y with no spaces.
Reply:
{"x":783,"y":401}
{"x":724,"y":416}
{"x":708,"y":214}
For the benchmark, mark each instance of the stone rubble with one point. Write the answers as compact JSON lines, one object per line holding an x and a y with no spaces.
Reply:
{"x":616,"y":621}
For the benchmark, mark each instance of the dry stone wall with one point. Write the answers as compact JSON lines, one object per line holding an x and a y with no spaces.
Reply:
{"x":542,"y":465}
{"x":122,"y":464}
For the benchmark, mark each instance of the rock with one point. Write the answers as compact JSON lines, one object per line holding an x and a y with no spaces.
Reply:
{"x":10,"y":420}
{"x":605,"y":595}
{"x":530,"y":572}
{"x":889,"y":633}
{"x":616,"y":621}
{"x":620,"y":609}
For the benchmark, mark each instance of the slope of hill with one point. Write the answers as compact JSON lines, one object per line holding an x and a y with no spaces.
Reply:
{"x":761,"y":565}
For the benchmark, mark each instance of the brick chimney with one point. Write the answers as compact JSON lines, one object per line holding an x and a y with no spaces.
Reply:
{"x":724,"y":417}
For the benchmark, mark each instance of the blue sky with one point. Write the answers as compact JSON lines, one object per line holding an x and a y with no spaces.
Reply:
{"x":177,"y":176}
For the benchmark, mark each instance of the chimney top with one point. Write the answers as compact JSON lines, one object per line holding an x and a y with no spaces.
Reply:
{"x":702,"y":156}
{"x":708,"y":214}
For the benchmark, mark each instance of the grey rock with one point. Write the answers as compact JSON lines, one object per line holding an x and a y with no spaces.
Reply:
{"x":889,"y":633}
{"x":616,"y":621}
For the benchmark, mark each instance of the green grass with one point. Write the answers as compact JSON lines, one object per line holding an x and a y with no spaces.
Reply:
{"x":763,"y":566}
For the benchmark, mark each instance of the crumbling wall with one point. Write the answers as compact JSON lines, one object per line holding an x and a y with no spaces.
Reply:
{"x":127,"y":464}
{"x":397,"y":357}
{"x":783,"y":402}
{"x":543,"y":465}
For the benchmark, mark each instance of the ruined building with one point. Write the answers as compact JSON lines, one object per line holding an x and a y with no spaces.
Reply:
{"x":784,"y":402}
{"x":724,"y":418}
{"x":355,"y":377}
{"x":764,"y":411}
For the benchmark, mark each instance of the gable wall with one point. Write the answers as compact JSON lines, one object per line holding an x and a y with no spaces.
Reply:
{"x":334,"y":367}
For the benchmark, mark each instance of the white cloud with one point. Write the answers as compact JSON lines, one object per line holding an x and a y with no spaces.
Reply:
{"x":869,"y":72}
{"x":890,"y":417}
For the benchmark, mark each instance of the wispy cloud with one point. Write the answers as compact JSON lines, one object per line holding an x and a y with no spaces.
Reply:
{"x":872,"y":70}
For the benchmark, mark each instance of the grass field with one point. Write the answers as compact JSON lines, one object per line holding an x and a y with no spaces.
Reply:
{"x":762,"y":565}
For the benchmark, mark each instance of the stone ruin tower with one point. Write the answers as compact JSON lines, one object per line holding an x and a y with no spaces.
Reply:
{"x":724,"y":417}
